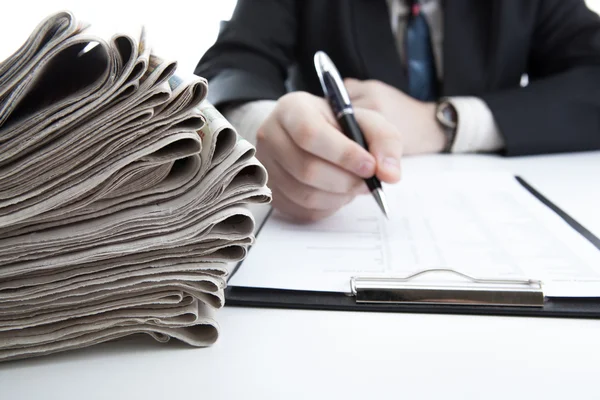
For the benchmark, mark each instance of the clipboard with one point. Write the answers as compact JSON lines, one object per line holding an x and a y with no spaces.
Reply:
{"x":469,"y":295}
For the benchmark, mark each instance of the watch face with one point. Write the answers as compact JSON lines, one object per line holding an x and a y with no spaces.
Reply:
{"x":447,"y":115}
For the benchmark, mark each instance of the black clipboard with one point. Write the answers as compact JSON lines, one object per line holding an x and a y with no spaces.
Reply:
{"x":522,"y":298}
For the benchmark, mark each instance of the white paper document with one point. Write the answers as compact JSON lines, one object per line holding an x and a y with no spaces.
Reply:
{"x":485,"y":225}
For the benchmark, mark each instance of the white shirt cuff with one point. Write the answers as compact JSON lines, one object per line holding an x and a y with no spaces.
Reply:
{"x":477,"y":130}
{"x":248,"y":117}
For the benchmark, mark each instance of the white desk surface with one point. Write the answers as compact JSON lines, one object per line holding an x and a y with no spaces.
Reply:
{"x":288,"y":354}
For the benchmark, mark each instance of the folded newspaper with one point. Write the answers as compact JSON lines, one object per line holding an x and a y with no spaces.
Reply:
{"x":123,"y":195}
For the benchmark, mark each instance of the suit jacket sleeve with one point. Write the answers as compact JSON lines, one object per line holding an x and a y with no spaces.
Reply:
{"x":560,"y":108}
{"x":250,"y":59}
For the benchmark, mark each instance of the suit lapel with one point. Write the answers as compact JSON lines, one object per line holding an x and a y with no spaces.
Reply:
{"x":376,"y":44}
{"x":467,"y":42}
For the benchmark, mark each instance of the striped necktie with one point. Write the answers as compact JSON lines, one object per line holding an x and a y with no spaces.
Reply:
{"x":419,"y":56}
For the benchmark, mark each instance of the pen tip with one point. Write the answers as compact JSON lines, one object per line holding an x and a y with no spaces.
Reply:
{"x":380,"y":199}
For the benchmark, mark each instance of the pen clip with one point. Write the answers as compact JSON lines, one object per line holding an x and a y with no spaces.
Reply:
{"x":331,"y":82}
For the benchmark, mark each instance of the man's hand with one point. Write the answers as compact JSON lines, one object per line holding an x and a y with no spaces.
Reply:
{"x":314,"y":169}
{"x":415,"y":119}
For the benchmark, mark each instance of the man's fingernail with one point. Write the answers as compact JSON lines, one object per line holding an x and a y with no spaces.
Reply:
{"x":365,"y":169}
{"x":391,"y":164}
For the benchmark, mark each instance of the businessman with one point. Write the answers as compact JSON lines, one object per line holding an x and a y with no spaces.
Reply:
{"x":509,"y":76}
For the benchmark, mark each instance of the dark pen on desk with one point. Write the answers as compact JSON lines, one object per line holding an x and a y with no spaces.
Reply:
{"x":339,"y":100}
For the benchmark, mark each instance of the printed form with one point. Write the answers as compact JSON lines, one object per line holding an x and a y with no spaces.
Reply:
{"x":486,"y":225}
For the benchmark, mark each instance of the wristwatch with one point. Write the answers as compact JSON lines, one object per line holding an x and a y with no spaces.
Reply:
{"x":447,"y":117}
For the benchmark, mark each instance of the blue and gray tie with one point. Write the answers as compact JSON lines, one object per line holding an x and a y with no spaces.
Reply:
{"x":420,"y":61}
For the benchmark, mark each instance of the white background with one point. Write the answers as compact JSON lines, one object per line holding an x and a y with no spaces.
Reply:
{"x":177,"y":30}
{"x":180,"y":30}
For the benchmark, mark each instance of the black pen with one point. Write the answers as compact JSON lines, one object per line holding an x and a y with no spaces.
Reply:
{"x":339,"y":100}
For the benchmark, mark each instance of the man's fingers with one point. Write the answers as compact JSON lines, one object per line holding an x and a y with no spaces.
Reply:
{"x":299,"y":202}
{"x":303,"y":166}
{"x":299,"y":214}
{"x":308,"y":121}
{"x":364,"y":102}
{"x":305,"y":196}
{"x":385,"y":143}
{"x":356,"y":89}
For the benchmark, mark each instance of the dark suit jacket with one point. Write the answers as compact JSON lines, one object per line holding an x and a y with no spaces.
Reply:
{"x":268,"y":47}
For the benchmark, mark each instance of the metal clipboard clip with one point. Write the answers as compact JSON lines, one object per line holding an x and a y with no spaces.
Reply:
{"x":468,"y":291}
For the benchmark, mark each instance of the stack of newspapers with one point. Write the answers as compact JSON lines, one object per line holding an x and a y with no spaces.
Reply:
{"x":123,"y":195}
